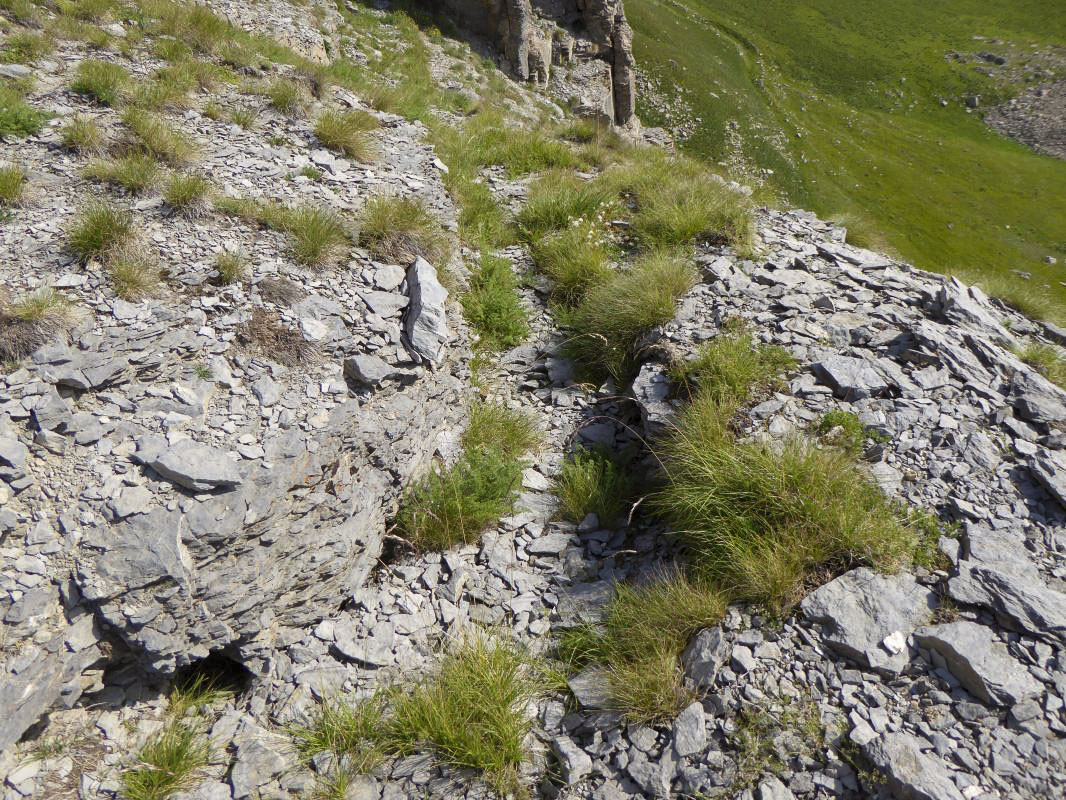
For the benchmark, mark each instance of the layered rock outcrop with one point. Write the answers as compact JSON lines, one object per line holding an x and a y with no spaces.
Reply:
{"x":589,"y":39}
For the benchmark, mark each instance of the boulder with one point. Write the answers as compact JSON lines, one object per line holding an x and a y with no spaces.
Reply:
{"x":426,"y":322}
{"x":861,"y":609}
{"x":197,"y":467}
{"x":911,"y":773}
{"x":1049,"y":467}
{"x":980,"y":662}
{"x":850,"y":378}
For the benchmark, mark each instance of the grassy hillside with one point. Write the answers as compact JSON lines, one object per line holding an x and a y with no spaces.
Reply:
{"x":858,"y":111}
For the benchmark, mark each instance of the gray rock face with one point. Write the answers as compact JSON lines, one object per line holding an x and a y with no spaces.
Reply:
{"x":705,"y":655}
{"x":850,"y":378}
{"x":862,"y":609}
{"x":196,"y":466}
{"x":968,"y":306}
{"x":1049,"y":466}
{"x":980,"y":662}
{"x":426,"y":322}
{"x":596,"y":30}
{"x":689,"y":731}
{"x":912,"y":774}
{"x":574,"y":762}
{"x":1020,"y":597}
{"x":370,"y":370}
{"x":1038,"y":400}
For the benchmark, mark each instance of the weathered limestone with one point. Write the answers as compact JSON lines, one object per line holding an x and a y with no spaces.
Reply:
{"x":535,"y":34}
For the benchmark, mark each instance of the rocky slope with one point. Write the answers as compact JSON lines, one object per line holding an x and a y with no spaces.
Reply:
{"x":173,"y":492}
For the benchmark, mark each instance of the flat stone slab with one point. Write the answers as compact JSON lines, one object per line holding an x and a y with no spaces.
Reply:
{"x":911,"y":773}
{"x":196,"y":466}
{"x":980,"y":661}
{"x":850,"y":378}
{"x":862,"y":609}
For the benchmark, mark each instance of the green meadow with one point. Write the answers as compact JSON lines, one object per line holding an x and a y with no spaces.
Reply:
{"x":858,"y":112}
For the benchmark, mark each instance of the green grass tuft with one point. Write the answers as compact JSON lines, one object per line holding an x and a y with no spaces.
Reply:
{"x":12,"y":185}
{"x":99,"y":229}
{"x":168,"y":763}
{"x":454,"y":505}
{"x":82,"y":135}
{"x":348,"y":133}
{"x":17,"y":117}
{"x":157,"y":138}
{"x":558,"y":199}
{"x":574,"y":260}
{"x":608,"y":325}
{"x":187,"y":193}
{"x":646,"y":627}
{"x":472,"y":713}
{"x":231,"y":266}
{"x":136,"y":172}
{"x":846,"y":431}
{"x":134,"y":273}
{"x":593,"y":482}
{"x":492,"y":307}
{"x":286,"y":97}
{"x":1047,"y":359}
{"x":319,"y":236}
{"x":398,"y":229}
{"x":103,"y":81}
{"x":26,"y":47}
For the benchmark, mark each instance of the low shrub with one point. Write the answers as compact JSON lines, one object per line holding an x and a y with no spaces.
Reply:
{"x":264,"y":333}
{"x":492,"y":307}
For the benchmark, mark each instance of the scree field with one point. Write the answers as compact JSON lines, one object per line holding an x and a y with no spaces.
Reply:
{"x":861,"y":112}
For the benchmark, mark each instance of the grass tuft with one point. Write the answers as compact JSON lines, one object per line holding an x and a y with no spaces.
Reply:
{"x":454,"y":505}
{"x":134,"y":273}
{"x":845,"y":430}
{"x":33,"y":320}
{"x":574,"y":260}
{"x":492,"y":307}
{"x":472,"y":713}
{"x":348,"y":133}
{"x":593,"y":482}
{"x":136,"y":172}
{"x":1047,"y":359}
{"x":157,"y":138}
{"x":319,"y":236}
{"x":558,"y":199}
{"x":82,"y":135}
{"x":731,"y":366}
{"x":99,"y":229}
{"x":398,"y":229}
{"x":102,"y":81}
{"x":187,"y":194}
{"x":608,"y":325}
{"x":286,"y":96}
{"x":168,"y":763}
{"x":244,"y":117}
{"x":17,"y":117}
{"x":231,"y":266}
{"x":12,"y":185}
{"x":644,"y":631}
